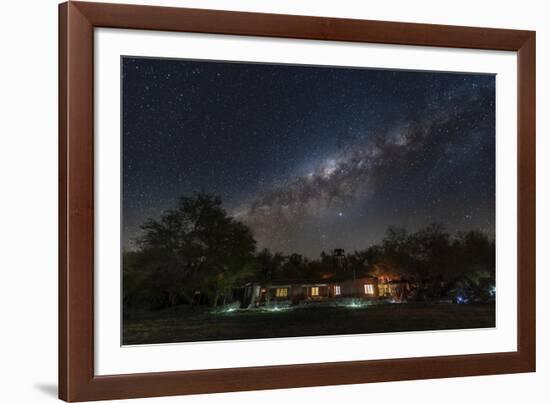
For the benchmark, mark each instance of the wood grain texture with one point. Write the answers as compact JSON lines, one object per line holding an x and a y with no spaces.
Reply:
{"x":77,"y":381}
{"x":527,"y":199}
{"x":292,"y":26}
{"x":76,"y":209}
{"x":63,"y":320}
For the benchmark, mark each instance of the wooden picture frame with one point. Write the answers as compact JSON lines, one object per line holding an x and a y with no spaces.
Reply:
{"x":77,"y":21}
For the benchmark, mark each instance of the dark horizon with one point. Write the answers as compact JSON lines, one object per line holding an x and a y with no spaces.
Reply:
{"x":310,"y":158}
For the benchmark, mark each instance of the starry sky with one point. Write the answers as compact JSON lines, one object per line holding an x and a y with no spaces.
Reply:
{"x":311,"y":158}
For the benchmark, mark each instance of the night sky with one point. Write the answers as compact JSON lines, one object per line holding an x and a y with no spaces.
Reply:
{"x":311,"y":158}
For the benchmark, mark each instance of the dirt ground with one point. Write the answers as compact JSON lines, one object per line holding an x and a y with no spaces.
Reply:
{"x":183,"y":324}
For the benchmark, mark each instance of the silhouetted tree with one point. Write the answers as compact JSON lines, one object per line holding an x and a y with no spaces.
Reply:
{"x":197,"y":249}
{"x":294,"y":266}
{"x":194,"y":248}
{"x":269,"y":264}
{"x":358,"y":263}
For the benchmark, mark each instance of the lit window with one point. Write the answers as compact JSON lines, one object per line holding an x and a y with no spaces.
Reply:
{"x":314,"y":291}
{"x":369,"y":289}
{"x":337,"y":290}
{"x":282,"y":292}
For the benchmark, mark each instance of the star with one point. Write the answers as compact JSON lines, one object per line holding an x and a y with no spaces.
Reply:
{"x":308,"y":157}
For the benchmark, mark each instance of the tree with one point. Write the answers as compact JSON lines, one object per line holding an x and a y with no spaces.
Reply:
{"x":269,"y":264}
{"x":431,"y":249}
{"x":194,"y":248}
{"x":394,"y":257}
{"x":358,"y":263}
{"x":294,"y":266}
{"x":473,"y":266}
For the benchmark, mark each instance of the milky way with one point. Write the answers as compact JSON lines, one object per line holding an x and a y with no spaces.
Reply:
{"x":310,"y":158}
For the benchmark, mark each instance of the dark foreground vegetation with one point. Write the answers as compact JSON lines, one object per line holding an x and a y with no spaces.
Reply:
{"x":183,"y":323}
{"x":196,"y":254}
{"x":191,"y":261}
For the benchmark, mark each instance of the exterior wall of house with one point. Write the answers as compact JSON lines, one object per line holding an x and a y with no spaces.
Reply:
{"x":384,"y":290}
{"x":318,"y":291}
{"x":400,"y":290}
{"x":258,"y":294}
{"x":366,"y":287}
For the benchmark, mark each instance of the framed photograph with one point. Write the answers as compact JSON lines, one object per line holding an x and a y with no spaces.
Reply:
{"x":254,"y":201}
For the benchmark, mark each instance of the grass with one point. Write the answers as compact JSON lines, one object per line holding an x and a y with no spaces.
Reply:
{"x":184,"y":324}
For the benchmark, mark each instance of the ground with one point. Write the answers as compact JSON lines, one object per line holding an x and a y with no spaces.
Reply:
{"x":183,"y":324}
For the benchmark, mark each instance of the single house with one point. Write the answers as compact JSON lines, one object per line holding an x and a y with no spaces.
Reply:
{"x":296,"y":291}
